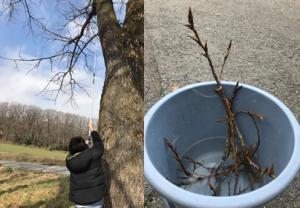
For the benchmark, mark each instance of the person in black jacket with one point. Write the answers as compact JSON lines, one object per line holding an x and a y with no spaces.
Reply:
{"x":87,"y":185}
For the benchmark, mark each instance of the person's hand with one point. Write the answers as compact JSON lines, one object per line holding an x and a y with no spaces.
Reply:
{"x":90,"y":125}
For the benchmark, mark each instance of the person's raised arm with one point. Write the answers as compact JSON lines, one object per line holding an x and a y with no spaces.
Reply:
{"x":97,"y":141}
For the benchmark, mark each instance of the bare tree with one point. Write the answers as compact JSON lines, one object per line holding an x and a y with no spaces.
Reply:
{"x":31,"y":125}
{"x":121,"y":112}
{"x":49,"y":118}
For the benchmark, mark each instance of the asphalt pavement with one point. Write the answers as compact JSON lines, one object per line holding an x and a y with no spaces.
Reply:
{"x":35,"y":167}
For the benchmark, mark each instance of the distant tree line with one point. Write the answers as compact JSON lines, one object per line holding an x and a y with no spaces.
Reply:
{"x":30,"y":125}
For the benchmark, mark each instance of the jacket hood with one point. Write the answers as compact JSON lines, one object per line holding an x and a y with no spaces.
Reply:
{"x":79,"y":162}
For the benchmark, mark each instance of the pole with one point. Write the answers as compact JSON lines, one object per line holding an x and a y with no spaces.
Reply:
{"x":93,"y":84}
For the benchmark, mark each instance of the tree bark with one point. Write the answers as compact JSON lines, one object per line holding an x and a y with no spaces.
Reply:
{"x":121,"y":106}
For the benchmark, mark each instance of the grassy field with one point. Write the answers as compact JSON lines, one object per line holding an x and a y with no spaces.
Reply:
{"x":31,"y":154}
{"x":29,"y":189}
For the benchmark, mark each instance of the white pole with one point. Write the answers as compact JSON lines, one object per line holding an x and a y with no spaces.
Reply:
{"x":93,"y":84}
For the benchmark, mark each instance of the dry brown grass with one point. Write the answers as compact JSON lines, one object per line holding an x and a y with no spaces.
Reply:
{"x":29,"y":189}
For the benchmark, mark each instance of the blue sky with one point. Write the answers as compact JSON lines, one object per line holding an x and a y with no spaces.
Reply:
{"x":16,"y":85}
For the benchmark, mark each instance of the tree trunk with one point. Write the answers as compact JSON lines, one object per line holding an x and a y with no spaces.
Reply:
{"x":121,"y":107}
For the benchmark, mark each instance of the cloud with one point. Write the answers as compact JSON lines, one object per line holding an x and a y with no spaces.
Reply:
{"x":18,"y":86}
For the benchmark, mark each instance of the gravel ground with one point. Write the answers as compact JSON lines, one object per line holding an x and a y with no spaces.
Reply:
{"x":265,"y":53}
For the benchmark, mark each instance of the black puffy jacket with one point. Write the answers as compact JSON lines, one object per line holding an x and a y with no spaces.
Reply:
{"x":87,"y":184}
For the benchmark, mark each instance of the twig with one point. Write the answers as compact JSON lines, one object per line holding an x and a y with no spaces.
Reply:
{"x":253,"y":116}
{"x":190,"y":181}
{"x":237,"y":88}
{"x":204,"y":47}
{"x":196,"y":163}
{"x":177,"y":157}
{"x":256,"y":115}
{"x":215,"y":190}
{"x":225,"y":58}
{"x":239,"y":135}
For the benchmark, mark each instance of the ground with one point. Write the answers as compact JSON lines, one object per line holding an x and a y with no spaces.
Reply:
{"x":32,"y":184}
{"x":265,"y":53}
{"x":20,"y":188}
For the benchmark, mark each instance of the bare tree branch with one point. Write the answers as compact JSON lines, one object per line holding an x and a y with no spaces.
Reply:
{"x":72,"y":49}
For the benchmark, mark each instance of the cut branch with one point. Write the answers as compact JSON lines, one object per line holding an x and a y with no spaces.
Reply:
{"x":225,"y":58}
{"x":241,"y":153}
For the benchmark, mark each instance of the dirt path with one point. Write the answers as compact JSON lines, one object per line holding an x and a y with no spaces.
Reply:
{"x":35,"y":167}
{"x":265,"y":53}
